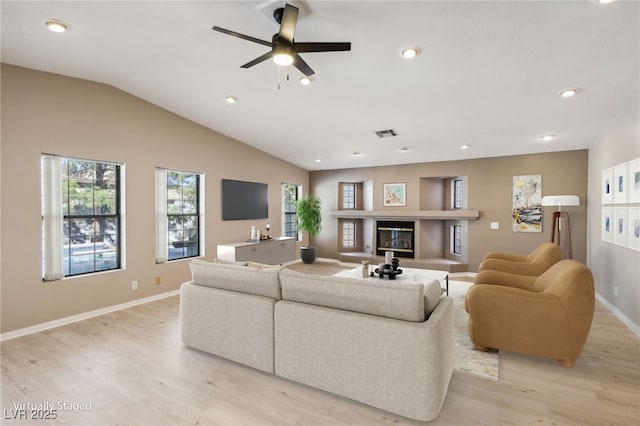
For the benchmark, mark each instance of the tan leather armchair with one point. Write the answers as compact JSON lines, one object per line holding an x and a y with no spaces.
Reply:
{"x":534,"y":264}
{"x":548,"y":316}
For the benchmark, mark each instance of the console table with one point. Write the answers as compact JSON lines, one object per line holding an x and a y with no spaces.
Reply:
{"x":270,"y":252}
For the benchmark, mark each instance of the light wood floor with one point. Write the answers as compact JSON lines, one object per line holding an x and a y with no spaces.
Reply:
{"x":134,"y":370}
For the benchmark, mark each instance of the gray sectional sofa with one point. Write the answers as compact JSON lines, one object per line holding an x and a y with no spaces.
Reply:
{"x":384,"y":343}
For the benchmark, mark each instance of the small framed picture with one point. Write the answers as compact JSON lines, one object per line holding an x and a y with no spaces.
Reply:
{"x":607,"y":224}
{"x":395,"y":194}
{"x":619,"y":226}
{"x":607,"y":186}
{"x":634,"y":181}
{"x":633,"y":226}
{"x":620,"y":184}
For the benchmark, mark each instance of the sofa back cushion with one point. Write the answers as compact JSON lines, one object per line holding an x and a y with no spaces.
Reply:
{"x":384,"y":298}
{"x":244,"y":279}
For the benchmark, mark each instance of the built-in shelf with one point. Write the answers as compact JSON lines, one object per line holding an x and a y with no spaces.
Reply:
{"x":407,"y":214}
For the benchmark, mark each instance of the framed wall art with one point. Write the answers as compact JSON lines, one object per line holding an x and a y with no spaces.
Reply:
{"x":527,"y":203}
{"x":620,"y":226}
{"x":395,"y":194}
{"x":633,"y":228}
{"x":620,"y":184}
{"x":633,"y":180}
{"x":607,"y":186}
{"x":607,"y":223}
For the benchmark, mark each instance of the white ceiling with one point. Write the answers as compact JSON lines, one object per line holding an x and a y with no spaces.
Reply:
{"x":488,"y":73}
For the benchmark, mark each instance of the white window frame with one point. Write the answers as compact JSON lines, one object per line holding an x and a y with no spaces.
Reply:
{"x":162,"y":215}
{"x":349,"y":236}
{"x":286,"y":213}
{"x":53,"y":217}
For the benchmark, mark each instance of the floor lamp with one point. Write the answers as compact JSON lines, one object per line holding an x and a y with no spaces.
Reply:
{"x":561,"y":200}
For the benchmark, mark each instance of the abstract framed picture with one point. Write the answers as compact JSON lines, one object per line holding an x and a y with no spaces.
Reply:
{"x":633,"y":228}
{"x":527,"y":203}
{"x":620,"y":184}
{"x":607,"y":224}
{"x":607,"y":186}
{"x":620,"y":226}
{"x":633,"y":181}
{"x":395,"y":194}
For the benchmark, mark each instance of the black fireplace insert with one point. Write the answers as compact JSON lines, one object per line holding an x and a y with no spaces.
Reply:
{"x":396,"y":236}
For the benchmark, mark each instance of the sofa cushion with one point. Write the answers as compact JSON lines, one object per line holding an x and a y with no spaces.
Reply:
{"x":389,"y":299}
{"x":244,"y":279}
{"x":432,"y":295}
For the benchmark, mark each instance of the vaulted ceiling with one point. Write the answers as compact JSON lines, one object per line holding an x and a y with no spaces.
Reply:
{"x":488,"y":74}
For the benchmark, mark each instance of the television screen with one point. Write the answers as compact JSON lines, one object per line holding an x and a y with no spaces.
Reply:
{"x":244,"y":200}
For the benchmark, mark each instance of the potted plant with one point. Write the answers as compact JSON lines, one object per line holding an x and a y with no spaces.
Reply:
{"x":309,"y":221}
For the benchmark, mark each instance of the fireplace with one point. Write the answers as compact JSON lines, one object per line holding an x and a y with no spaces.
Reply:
{"x":395,"y":236}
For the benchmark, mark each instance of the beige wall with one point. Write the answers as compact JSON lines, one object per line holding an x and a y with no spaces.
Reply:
{"x":47,"y":113}
{"x":489,"y":186}
{"x":614,"y":266}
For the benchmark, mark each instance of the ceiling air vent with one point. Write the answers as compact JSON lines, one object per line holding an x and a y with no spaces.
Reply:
{"x":386,"y":133}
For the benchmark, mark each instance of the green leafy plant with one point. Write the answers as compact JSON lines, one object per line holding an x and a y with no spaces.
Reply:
{"x":309,"y":215}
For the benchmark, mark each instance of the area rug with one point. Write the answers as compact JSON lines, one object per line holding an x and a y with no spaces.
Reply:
{"x":468,"y":360}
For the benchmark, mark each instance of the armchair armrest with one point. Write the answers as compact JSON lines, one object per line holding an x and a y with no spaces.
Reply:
{"x":504,"y":256}
{"x":505,"y":279}
{"x":512,"y":267}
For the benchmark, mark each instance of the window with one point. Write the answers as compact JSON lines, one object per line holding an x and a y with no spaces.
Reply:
{"x":290,"y":194}
{"x":348,"y":234}
{"x":179,"y":199}
{"x":457,"y":193}
{"x":456,"y":239}
{"x":349,"y":196}
{"x":81,"y":217}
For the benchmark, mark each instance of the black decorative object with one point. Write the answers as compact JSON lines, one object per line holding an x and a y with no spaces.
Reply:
{"x":390,"y":272}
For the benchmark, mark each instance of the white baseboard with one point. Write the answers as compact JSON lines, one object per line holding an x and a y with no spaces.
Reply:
{"x":622,"y":317}
{"x":86,"y":315}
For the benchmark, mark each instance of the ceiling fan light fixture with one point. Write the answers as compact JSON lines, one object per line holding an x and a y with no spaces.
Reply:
{"x":283,"y":59}
{"x":282,"y":55}
{"x":409,"y":52}
{"x":56,"y":26}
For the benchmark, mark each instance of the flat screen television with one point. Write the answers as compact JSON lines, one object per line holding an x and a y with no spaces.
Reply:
{"x":244,"y":200}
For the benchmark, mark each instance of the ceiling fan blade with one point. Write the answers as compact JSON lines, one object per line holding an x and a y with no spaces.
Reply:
{"x":288,"y":25}
{"x":242,"y":36}
{"x":304,"y":68}
{"x":257,"y":60}
{"x":321,"y":47}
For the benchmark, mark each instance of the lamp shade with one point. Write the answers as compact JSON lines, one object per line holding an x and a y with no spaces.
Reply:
{"x":561,"y":200}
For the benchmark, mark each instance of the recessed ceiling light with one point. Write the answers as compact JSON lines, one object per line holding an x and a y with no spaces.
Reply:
{"x":567,"y":93}
{"x":304,"y":80}
{"x":318,"y":160}
{"x":356,"y":153}
{"x":231,"y":99}
{"x":547,"y":138}
{"x":409,"y":52}
{"x":605,"y":1}
{"x":465,"y":146}
{"x":403,"y":149}
{"x":56,"y":26}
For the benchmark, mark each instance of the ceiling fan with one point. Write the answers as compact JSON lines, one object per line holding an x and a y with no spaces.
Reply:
{"x":284,"y":50}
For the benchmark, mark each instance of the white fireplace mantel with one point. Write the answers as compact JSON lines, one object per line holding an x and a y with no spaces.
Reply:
{"x":407,"y":214}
